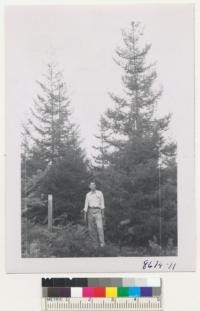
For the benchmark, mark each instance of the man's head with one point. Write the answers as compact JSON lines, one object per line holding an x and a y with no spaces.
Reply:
{"x":92,"y":186}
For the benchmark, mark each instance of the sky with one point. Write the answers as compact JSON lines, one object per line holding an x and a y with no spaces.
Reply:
{"x":82,"y":40}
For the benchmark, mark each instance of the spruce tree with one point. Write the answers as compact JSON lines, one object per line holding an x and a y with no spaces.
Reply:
{"x":52,"y":128}
{"x":136,"y":141}
{"x":101,"y":158}
{"x":56,"y":162}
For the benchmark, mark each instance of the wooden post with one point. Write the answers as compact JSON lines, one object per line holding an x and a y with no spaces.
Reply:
{"x":50,"y":211}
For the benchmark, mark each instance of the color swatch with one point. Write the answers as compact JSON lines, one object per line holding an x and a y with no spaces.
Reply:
{"x":108,"y":292}
{"x":101,"y":282}
{"x":100,"y":288}
{"x":114,"y":294}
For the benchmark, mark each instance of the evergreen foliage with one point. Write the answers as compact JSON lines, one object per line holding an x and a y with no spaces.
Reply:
{"x":53,"y":161}
{"x":141,"y":170}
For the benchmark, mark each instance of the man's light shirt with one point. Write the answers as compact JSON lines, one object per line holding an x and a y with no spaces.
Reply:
{"x":94,"y":199}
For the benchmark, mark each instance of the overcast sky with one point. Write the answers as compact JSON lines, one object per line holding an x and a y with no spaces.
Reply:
{"x":82,"y":40}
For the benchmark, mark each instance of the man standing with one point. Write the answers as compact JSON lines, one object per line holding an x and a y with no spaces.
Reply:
{"x":94,"y":212}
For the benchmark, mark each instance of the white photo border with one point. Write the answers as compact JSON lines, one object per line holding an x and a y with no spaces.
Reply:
{"x":185,"y":261}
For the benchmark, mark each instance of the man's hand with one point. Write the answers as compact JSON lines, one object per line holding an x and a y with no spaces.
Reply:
{"x":85,"y":216}
{"x":103,"y":216}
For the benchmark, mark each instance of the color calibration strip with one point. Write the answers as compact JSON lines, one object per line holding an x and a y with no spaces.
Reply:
{"x":62,"y":294}
{"x":101,"y":282}
{"x":104,"y":292}
{"x":101,"y":287}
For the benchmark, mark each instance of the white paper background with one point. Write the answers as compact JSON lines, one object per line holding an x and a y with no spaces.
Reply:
{"x":180,"y":61}
{"x":181,"y":290}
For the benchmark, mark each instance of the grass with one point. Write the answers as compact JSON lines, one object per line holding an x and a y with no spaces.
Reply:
{"x":73,"y":241}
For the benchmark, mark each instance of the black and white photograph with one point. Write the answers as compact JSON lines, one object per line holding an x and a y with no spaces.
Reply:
{"x":100,"y":107}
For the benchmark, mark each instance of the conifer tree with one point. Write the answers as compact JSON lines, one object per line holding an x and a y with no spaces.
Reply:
{"x":56,"y":162}
{"x":136,"y":143}
{"x":51,"y":127}
{"x":101,"y":159}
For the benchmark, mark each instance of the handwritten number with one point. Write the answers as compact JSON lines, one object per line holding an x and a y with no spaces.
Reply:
{"x":157,"y":265}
